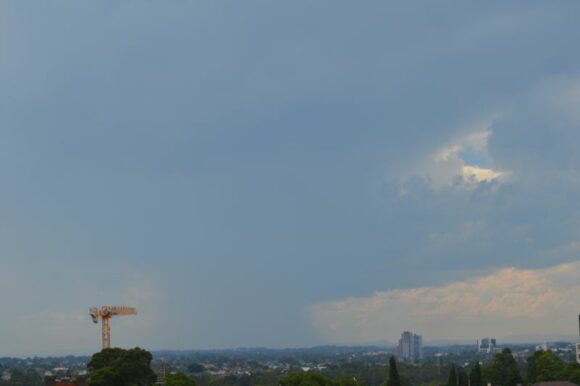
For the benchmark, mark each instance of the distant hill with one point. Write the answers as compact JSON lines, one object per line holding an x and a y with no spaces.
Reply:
{"x":450,"y":342}
{"x":516,"y":339}
{"x":537,"y":338}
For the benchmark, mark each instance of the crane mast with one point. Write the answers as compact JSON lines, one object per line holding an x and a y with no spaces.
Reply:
{"x":105,"y":313}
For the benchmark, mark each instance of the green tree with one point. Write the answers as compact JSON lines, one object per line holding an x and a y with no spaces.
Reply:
{"x":25,"y":377}
{"x":504,"y":369}
{"x":545,"y":366}
{"x":475,"y":377}
{"x":195,"y":368}
{"x":309,"y":378}
{"x":118,"y":367}
{"x":179,"y":379}
{"x":452,"y":376}
{"x":462,"y":378}
{"x":571,"y":373}
{"x":532,"y":369}
{"x":394,"y":379}
{"x":348,"y":381}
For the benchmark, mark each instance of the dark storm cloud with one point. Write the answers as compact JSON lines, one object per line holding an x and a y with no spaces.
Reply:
{"x":248,"y":158}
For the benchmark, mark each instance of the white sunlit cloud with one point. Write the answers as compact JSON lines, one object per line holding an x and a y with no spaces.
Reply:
{"x":452,"y":165}
{"x":506,"y":303}
{"x":474,"y":174}
{"x":463,"y":162}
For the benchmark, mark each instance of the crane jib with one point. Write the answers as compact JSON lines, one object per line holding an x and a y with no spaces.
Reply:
{"x":105,"y":313}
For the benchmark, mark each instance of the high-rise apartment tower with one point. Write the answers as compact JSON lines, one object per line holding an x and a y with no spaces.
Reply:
{"x":487,"y":345}
{"x":410,"y":347}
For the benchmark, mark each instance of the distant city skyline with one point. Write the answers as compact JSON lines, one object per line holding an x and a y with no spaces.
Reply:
{"x":287,"y":174}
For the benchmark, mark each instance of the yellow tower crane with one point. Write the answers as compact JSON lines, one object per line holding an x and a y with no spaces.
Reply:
{"x":105,"y":313}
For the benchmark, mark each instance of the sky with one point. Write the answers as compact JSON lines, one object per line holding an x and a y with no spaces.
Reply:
{"x":283,"y":174}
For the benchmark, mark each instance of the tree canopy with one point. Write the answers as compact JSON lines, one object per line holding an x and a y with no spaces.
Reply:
{"x":462,"y":377}
{"x":119,"y":367}
{"x":394,"y":379}
{"x":475,"y":378}
{"x":179,"y":379}
{"x":23,"y":377}
{"x":314,"y":378}
{"x":547,"y":366}
{"x":544,"y":366}
{"x":504,"y":369}
{"x":452,"y":376}
{"x":195,"y":368}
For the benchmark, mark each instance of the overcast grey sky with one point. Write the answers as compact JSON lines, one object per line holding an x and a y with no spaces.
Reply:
{"x":268,"y":173}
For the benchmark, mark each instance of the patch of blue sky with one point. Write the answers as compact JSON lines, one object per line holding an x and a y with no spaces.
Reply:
{"x":475,"y":158}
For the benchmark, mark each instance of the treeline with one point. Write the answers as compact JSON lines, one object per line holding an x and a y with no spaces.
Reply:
{"x":542,"y":366}
{"x":502,"y":371}
{"x":23,"y":377}
{"x":116,"y":367}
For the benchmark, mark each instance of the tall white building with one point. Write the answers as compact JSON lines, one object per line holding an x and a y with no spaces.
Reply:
{"x":486,"y":345}
{"x":410,"y":347}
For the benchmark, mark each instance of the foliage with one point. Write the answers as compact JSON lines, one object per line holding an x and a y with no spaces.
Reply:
{"x":394,"y":379}
{"x":23,"y":378}
{"x":348,"y":381}
{"x":462,"y":378}
{"x":351,"y":373}
{"x":452,"y":376}
{"x":532,"y":369}
{"x":268,"y":378}
{"x":179,"y":379}
{"x":313,"y":378}
{"x":309,"y":378}
{"x":118,"y":367}
{"x":504,"y":370}
{"x":545,"y":366}
{"x":195,"y":368}
{"x":378,"y":374}
{"x":343,"y":374}
{"x":571,"y":373}
{"x":363,"y":373}
{"x":475,"y":378}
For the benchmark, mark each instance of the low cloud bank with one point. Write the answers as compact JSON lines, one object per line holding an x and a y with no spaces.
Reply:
{"x":506,"y":302}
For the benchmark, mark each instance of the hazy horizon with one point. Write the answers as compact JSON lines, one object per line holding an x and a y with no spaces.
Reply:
{"x":287,"y":173}
{"x":512,"y":341}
